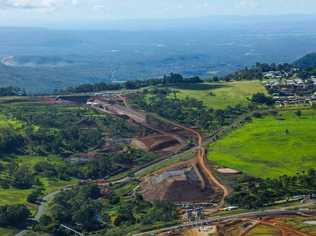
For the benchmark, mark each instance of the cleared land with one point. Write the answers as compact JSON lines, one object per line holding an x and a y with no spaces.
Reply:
{"x":271,"y":146}
{"x":221,"y":95}
{"x":301,"y":224}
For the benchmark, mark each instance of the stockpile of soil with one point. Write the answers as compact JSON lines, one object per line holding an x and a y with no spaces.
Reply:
{"x":178,"y":184}
{"x":185,"y":191}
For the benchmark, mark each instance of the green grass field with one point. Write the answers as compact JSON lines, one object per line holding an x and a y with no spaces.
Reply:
{"x":270,"y":146}
{"x":221,"y":95}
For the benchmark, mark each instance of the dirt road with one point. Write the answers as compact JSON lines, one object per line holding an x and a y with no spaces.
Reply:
{"x":285,"y":230}
{"x":200,"y":159}
{"x":216,"y":219}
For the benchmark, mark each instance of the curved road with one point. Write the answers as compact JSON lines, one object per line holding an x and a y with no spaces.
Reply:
{"x":201,"y":160}
{"x":43,"y":206}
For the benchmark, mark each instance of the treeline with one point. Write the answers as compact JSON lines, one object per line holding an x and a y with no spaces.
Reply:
{"x":11,"y":91}
{"x":256,"y":72}
{"x":172,"y":78}
{"x":250,"y":192}
{"x":85,"y":209}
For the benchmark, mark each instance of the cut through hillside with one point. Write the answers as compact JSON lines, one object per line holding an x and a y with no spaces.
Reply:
{"x":182,"y":183}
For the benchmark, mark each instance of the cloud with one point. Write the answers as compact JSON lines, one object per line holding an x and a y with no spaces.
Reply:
{"x":32,"y":4}
{"x":98,"y":7}
{"x":75,"y":2}
{"x":250,"y":4}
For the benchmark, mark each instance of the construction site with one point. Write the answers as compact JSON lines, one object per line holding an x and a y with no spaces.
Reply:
{"x":164,"y":140}
{"x":169,"y":185}
{"x":191,"y":185}
{"x":192,"y":177}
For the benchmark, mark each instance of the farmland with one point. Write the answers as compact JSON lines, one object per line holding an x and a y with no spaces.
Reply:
{"x":282,"y":144}
{"x":221,"y":95}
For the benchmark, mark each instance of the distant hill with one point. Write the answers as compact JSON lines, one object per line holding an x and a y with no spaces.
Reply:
{"x":307,"y":61}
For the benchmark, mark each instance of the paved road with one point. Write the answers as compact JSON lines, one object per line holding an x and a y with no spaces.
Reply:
{"x":41,"y":210}
{"x":212,"y":220}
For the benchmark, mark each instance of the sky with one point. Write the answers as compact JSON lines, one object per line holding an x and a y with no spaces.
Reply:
{"x":76,"y":12}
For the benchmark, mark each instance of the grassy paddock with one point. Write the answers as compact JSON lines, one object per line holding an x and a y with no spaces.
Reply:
{"x":270,"y":146}
{"x":221,"y":95}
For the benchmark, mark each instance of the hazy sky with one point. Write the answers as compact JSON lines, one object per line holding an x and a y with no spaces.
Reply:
{"x":59,"y":12}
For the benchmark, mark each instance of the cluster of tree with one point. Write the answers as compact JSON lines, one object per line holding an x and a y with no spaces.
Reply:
{"x":261,"y":98}
{"x":256,"y":72}
{"x":252,"y":192}
{"x":187,"y":111}
{"x":11,"y":140}
{"x":18,"y":176}
{"x":307,"y":62}
{"x":14,"y":215}
{"x":107,"y":165}
{"x":84,"y":209}
{"x":11,"y":91}
{"x":306,"y":73}
{"x":58,"y":130}
{"x":172,"y":78}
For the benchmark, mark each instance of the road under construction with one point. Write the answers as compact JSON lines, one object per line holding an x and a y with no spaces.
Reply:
{"x":203,"y":174}
{"x":178,"y":173}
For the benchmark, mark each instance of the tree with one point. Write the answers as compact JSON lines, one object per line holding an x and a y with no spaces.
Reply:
{"x":13,"y":215}
{"x":125,"y":215}
{"x":45,"y":220}
{"x":86,"y":215}
{"x":298,"y":113}
{"x":261,"y":98}
{"x":34,"y":196}
{"x":23,"y":177}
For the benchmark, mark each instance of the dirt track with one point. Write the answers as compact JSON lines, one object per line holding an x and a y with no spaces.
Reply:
{"x":200,"y":157}
{"x":283,"y":229}
{"x":201,"y":161}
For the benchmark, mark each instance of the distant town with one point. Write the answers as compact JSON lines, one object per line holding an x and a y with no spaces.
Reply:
{"x":287,"y":88}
